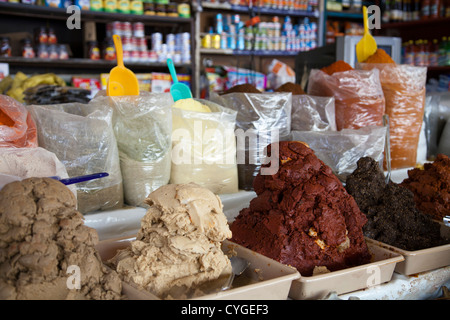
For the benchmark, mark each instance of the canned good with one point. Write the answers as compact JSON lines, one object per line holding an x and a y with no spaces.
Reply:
{"x":215,"y":41}
{"x":127,"y":29}
{"x":142,"y":44}
{"x":156,"y":41}
{"x":206,"y":41}
{"x":184,"y":10}
{"x":126,"y":43}
{"x":138,"y":29}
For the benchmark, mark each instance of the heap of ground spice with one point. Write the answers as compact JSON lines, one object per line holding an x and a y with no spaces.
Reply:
{"x":245,"y":87}
{"x":294,"y":88}
{"x":380,"y":56}
{"x":392,"y":214}
{"x":431,"y":187}
{"x":338,"y":66}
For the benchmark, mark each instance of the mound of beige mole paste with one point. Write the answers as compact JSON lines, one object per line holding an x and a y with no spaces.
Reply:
{"x":46,"y":251}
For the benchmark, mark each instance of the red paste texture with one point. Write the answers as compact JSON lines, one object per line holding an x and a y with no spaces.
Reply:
{"x":431,"y":187}
{"x":302,"y":216}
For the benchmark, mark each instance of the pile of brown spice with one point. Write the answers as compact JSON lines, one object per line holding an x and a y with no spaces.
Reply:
{"x":295,"y":88}
{"x":392,"y":214}
{"x":245,"y":87}
{"x":431,"y":187}
{"x":380,"y":56}
{"x":338,"y":66}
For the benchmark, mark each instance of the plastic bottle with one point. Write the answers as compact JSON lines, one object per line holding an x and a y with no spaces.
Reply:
{"x":425,"y":9}
{"x":409,"y":53}
{"x":434,"y":53}
{"x":447,"y":51}
{"x":419,"y":53}
{"x":442,"y":53}
{"x":426,"y":52}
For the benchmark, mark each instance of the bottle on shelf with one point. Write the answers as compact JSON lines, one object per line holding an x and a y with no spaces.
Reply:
{"x":433,"y":53}
{"x":442,"y":52}
{"x":386,"y":10}
{"x":408,"y":57}
{"x":425,"y":9}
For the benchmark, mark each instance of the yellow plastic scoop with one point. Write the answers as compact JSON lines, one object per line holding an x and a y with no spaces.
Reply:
{"x":367,"y":46}
{"x":122,"y":81}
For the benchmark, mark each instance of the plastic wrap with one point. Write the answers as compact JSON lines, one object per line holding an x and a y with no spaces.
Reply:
{"x":341,"y":150}
{"x":204,"y":148}
{"x":20,"y":163}
{"x":431,"y":122}
{"x":311,"y":113}
{"x":358,"y":95}
{"x":81,"y":136}
{"x":279,"y":73}
{"x":404,"y":91}
{"x":21,"y":132}
{"x":263,"y":118}
{"x":142,"y":126}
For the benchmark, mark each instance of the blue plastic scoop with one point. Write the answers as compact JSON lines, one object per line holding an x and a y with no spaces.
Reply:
{"x":79,"y":179}
{"x":177,"y":90}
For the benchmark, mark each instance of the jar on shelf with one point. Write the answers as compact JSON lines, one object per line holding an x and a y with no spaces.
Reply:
{"x":40,"y":35}
{"x":172,"y":10}
{"x":63,"y":53}
{"x":42,"y":51}
{"x":5,"y":47}
{"x":93,"y":50}
{"x":109,"y":51}
{"x":53,"y":51}
{"x":27,"y":49}
{"x":51,"y":39}
{"x":160,"y":9}
{"x":149,"y":7}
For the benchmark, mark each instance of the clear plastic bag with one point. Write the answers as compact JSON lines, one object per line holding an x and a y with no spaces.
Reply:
{"x":262,"y":117}
{"x":21,"y":131}
{"x":341,"y":150}
{"x":204,"y":148}
{"x":359,"y":100}
{"x":20,"y":163}
{"x":311,"y":113}
{"x":142,"y":126}
{"x":81,"y":136}
{"x":404,"y":91}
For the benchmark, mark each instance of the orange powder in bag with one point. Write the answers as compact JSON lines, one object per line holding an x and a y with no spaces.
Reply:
{"x":380,"y":56}
{"x":338,"y":66}
{"x":5,"y":120}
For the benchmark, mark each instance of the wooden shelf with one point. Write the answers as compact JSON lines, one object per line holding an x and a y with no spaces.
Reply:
{"x":77,"y":63}
{"x":26,"y":10}
{"x":259,"y":10}
{"x":416,"y":23}
{"x":248,"y":52}
{"x":345,"y":15}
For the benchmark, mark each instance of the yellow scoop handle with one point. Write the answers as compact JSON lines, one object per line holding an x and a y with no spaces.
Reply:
{"x":122,"y":81}
{"x":367,"y":46}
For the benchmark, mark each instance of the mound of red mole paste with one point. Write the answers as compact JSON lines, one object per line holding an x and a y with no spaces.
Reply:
{"x":302,"y":215}
{"x":431,"y":187}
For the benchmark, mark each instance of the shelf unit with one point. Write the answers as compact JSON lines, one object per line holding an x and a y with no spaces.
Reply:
{"x":420,"y":29}
{"x":12,"y":14}
{"x":228,"y":56}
